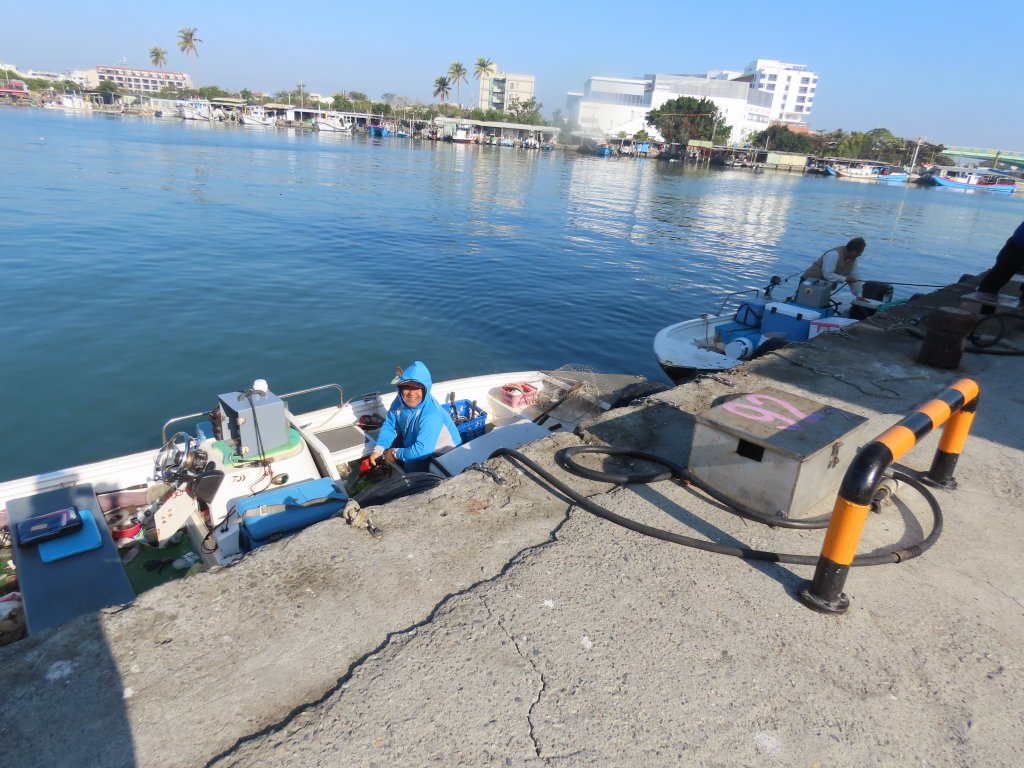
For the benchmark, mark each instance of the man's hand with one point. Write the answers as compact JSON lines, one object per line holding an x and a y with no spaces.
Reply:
{"x":377,"y":453}
{"x":390,"y":456}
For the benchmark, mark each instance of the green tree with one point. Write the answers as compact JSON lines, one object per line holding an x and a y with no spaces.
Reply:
{"x":457,"y":75}
{"x":158,"y":56}
{"x":108,"y":86}
{"x":443,"y":88}
{"x":360,"y":101}
{"x":246,"y":94}
{"x":527,"y":112}
{"x":341,"y":103}
{"x":689,"y":118}
{"x":780,"y":138}
{"x":483,"y":68}
{"x":188,"y":43}
{"x":641,"y":135}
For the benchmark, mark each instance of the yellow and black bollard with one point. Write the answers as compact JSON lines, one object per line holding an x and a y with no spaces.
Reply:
{"x":955,"y":408}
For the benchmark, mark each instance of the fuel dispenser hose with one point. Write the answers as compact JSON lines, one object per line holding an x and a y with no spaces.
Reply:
{"x":675,"y":471}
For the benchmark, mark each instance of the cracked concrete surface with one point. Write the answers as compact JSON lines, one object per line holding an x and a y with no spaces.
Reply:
{"x":497,"y":625}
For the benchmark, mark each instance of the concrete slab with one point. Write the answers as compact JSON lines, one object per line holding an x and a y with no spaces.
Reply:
{"x":495,"y":624}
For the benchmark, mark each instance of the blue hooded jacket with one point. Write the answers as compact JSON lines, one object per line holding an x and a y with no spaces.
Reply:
{"x":425,"y":429}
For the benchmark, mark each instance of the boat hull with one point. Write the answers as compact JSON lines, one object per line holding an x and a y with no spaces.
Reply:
{"x":950,"y":183}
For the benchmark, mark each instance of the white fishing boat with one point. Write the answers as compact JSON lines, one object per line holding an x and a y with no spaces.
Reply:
{"x":746,"y":327}
{"x":872,"y":171}
{"x":256,"y":115}
{"x":332,"y":124}
{"x":195,"y":109}
{"x":254,"y":468}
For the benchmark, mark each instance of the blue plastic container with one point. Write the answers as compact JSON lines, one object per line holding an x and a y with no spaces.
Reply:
{"x":274,"y":514}
{"x":729,"y":331}
{"x":472,"y":427}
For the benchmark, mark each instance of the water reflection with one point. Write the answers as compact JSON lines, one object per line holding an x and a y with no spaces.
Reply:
{"x":306,"y":258}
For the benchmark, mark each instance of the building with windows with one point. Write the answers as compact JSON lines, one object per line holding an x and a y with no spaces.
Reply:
{"x":138,"y":80}
{"x":791,"y":86}
{"x":609,"y":106}
{"x":501,"y":90}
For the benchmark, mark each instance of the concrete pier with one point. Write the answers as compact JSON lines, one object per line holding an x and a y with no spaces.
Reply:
{"x":496,"y":624}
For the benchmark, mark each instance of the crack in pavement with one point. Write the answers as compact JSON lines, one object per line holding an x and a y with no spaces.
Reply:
{"x":394,"y":635}
{"x":528,"y":660}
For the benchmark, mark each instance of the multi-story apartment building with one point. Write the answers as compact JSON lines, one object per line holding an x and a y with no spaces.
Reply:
{"x":792,"y":88}
{"x":501,"y":90}
{"x":139,"y":80}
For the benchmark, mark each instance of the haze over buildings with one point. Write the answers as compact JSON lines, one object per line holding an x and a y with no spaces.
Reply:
{"x":878,"y":71}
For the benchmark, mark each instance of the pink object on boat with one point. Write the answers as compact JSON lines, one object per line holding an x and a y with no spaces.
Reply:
{"x":518,"y":394}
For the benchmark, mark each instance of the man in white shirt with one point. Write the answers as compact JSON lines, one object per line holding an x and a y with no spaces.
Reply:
{"x":839,"y":265}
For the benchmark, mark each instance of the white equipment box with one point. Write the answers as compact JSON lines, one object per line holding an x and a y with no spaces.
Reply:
{"x":776,"y":453}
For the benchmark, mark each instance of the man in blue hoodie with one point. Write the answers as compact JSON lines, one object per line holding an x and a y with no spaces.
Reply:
{"x":417,"y":427}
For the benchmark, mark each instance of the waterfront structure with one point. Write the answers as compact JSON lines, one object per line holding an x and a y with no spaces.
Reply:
{"x":501,"y":91}
{"x":609,"y":106}
{"x":138,"y":80}
{"x":14,"y":90}
{"x":791,"y":87}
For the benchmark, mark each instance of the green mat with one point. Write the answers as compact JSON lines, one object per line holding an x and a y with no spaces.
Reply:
{"x":232,"y":459}
{"x":141,"y":579}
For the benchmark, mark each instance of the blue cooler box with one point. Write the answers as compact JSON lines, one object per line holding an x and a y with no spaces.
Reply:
{"x":790,"y":319}
{"x":751,"y":312}
{"x":272,"y":515}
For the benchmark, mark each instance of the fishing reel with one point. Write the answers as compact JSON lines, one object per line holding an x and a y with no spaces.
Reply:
{"x":179,"y":460}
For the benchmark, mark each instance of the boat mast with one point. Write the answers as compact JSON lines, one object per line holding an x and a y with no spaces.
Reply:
{"x":913,"y":160}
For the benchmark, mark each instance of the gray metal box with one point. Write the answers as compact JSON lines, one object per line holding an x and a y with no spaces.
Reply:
{"x":777,"y":453}
{"x":240,"y":420}
{"x":814,"y":293}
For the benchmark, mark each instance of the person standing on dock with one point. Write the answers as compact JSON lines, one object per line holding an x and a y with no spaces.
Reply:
{"x":1009,"y":261}
{"x":417,"y":426}
{"x":839,"y":265}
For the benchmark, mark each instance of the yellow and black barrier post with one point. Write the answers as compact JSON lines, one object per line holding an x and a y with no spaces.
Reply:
{"x":955,"y":408}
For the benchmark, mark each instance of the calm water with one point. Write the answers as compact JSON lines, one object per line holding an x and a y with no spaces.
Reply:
{"x":150,"y":265}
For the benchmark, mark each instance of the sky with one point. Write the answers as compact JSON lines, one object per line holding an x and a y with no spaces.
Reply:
{"x":937,"y":70}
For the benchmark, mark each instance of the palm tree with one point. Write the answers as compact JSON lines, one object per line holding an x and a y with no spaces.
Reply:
{"x":442,"y":88}
{"x":158,"y":56}
{"x":483,"y":68}
{"x":457,"y":74}
{"x":187,"y":44}
{"x":187,"y":41}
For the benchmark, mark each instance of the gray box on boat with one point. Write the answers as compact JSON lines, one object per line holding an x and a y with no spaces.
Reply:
{"x":774,"y":452}
{"x":252,"y":420}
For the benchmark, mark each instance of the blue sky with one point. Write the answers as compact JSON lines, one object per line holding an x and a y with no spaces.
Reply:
{"x":922,"y":69}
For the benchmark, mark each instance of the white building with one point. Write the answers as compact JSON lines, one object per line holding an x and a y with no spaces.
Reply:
{"x":138,"y":80}
{"x":78,"y":77}
{"x":791,"y":87}
{"x":502,"y":90}
{"x":609,"y":106}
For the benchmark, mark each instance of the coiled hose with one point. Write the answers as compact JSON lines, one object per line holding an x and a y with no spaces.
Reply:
{"x":675,"y":471}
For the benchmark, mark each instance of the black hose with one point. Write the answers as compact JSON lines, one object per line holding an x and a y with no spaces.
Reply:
{"x":565,"y":460}
{"x":983,"y":344}
{"x":396,"y":487}
{"x":880,"y":558}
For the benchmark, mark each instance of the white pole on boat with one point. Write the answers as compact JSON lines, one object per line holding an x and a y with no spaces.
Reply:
{"x":913,"y":160}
